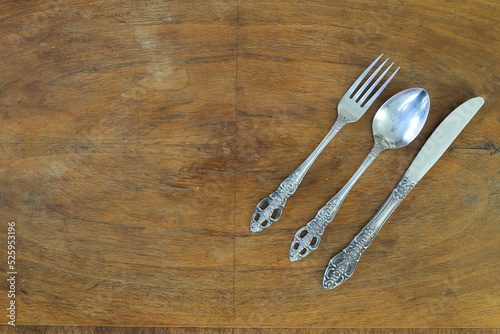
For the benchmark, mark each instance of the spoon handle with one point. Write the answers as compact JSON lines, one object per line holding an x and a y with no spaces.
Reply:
{"x":307,"y":238}
{"x":342,"y":265}
{"x":268,"y":210}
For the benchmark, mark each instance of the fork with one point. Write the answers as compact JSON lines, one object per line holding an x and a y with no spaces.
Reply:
{"x":350,"y":109}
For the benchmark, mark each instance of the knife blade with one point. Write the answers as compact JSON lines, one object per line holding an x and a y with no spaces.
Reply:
{"x":442,"y":138}
{"x":342,"y":265}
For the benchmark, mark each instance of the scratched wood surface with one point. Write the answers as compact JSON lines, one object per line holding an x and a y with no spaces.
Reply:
{"x":137,"y":137}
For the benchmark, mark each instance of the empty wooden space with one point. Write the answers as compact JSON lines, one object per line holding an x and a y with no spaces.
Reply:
{"x":136,"y":138}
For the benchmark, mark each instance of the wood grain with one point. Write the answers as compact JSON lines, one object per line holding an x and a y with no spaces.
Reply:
{"x":137,"y":137}
{"x":117,"y":147}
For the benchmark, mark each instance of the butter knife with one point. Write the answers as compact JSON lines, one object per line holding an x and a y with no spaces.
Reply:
{"x":342,"y":265}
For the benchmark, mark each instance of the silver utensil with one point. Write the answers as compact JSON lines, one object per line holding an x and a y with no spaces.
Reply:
{"x":342,"y":265}
{"x":350,"y":108}
{"x":395,"y":125}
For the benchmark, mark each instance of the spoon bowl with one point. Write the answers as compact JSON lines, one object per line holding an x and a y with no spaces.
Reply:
{"x":400,"y":119}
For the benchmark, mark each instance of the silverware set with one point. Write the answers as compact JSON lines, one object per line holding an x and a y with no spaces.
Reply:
{"x":397,"y":122}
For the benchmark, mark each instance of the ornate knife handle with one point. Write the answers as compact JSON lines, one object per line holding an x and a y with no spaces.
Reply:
{"x":268,"y":210}
{"x":342,"y":265}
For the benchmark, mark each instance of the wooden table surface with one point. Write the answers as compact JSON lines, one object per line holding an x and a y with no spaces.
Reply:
{"x":136,"y":138}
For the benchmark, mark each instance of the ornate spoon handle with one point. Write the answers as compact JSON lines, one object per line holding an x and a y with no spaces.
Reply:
{"x":268,"y":210}
{"x":342,"y":265}
{"x":307,"y":238}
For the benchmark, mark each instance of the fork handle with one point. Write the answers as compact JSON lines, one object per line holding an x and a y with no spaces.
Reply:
{"x":342,"y":265}
{"x":269,"y":210}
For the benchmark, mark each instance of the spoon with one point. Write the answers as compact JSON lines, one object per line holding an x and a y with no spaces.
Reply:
{"x":396,"y":124}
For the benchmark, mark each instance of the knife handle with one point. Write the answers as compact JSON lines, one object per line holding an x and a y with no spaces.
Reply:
{"x":342,"y":265}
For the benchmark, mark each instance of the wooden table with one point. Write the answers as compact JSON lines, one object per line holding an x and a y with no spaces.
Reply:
{"x":136,"y":138}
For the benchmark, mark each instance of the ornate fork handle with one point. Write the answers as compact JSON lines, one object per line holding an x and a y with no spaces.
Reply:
{"x":342,"y":265}
{"x":269,"y":210}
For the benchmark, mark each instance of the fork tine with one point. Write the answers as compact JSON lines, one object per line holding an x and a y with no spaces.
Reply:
{"x":367,"y":82}
{"x":361,"y":77}
{"x":365,"y":95}
{"x":369,"y":103}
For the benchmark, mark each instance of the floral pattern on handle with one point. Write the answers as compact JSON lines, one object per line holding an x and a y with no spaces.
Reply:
{"x":263,"y":217}
{"x":342,"y":265}
{"x":307,"y":238}
{"x":403,"y":188}
{"x":305,"y":243}
{"x":268,"y":210}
